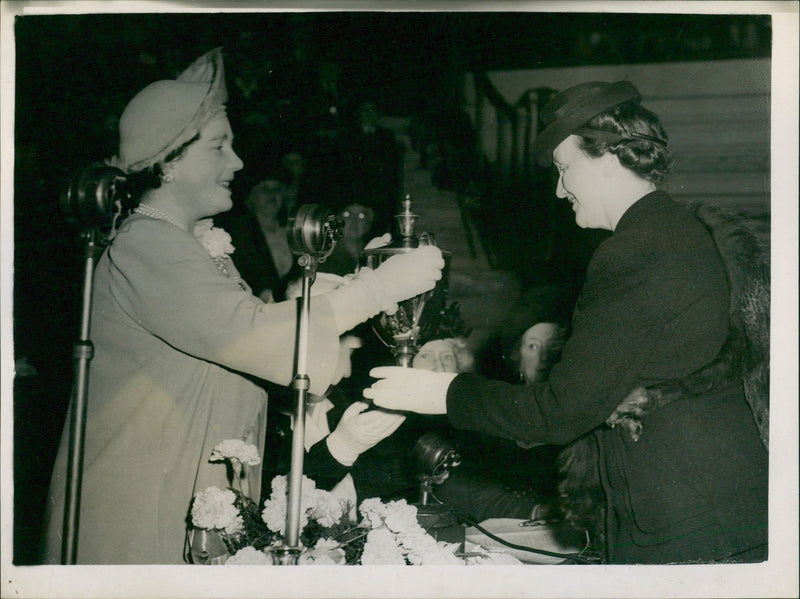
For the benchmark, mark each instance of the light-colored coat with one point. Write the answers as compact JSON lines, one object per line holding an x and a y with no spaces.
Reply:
{"x":172,"y":335}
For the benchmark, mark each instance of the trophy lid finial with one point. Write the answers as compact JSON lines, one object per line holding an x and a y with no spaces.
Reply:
{"x":405,"y":223}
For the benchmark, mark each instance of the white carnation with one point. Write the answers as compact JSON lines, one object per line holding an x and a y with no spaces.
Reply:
{"x":327,"y":509}
{"x":417,"y":545}
{"x":381,"y":549}
{"x":274,"y":515}
{"x":236,"y":449}
{"x":214,"y":508}
{"x":274,"y":512}
{"x":373,"y":511}
{"x":216,"y":241}
{"x":402,"y":517}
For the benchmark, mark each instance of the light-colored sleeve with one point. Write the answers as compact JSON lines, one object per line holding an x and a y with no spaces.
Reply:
{"x":167,"y":283}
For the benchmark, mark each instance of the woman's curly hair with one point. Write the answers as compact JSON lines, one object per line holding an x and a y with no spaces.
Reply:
{"x":150,"y":178}
{"x":649,"y":159}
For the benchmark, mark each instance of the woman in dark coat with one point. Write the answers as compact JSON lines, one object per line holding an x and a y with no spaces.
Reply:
{"x":654,"y":307}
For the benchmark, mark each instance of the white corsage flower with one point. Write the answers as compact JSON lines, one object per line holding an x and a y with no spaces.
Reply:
{"x":216,"y":241}
{"x":214,"y":508}
{"x":373,"y":511}
{"x":327,"y":508}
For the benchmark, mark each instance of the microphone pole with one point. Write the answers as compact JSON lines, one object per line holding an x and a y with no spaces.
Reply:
{"x":312,"y":233}
{"x":288,"y":553}
{"x":92,"y":198}
{"x":83,"y":351}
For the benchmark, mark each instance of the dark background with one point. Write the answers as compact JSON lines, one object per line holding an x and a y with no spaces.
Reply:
{"x":74,"y":75}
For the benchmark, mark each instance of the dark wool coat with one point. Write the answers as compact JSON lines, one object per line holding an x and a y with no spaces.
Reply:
{"x":654,"y":306}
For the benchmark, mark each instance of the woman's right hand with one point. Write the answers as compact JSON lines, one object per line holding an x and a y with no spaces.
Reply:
{"x":359,"y":430}
{"x":405,"y":275}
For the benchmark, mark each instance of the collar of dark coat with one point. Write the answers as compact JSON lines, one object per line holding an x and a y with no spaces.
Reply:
{"x":654,"y":200}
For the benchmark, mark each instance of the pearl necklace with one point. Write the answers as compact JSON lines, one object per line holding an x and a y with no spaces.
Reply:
{"x":155,"y":213}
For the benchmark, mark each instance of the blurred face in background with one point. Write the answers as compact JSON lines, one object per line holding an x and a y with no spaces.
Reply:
{"x":266,"y":201}
{"x":444,"y":355}
{"x":535,"y":343}
{"x":357,"y":220}
{"x":438,"y":356}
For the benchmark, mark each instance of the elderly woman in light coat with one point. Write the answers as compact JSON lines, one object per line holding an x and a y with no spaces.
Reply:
{"x":179,"y":336}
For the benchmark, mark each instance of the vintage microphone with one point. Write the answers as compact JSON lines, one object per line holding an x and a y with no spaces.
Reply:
{"x":312,"y":234}
{"x":90,"y":200}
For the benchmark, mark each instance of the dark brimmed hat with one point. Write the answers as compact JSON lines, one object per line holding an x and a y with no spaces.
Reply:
{"x":574,"y":107}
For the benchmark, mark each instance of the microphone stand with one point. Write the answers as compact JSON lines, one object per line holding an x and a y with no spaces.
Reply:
{"x":289,"y":552}
{"x":83,"y":351}
{"x":312,"y":235}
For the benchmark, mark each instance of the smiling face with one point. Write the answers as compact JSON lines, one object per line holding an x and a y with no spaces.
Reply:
{"x":203,"y":173}
{"x":583,"y":181}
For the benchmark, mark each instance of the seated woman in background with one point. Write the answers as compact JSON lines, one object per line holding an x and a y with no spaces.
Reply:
{"x":178,"y":335}
{"x":499,"y":478}
{"x":263,"y":256}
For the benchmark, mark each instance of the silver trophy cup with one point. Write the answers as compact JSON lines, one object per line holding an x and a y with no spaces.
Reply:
{"x":401,"y":331}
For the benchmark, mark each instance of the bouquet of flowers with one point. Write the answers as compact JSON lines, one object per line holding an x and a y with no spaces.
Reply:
{"x":388,"y":533}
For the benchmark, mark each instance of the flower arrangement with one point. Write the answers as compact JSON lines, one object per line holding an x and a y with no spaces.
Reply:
{"x":387,"y":534}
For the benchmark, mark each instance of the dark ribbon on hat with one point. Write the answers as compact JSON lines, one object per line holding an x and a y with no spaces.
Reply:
{"x":612,"y":137}
{"x":573,"y":108}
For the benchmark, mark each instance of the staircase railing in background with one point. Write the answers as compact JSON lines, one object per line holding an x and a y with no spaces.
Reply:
{"x":484,"y":151}
{"x":516,"y":127}
{"x":517,"y":209}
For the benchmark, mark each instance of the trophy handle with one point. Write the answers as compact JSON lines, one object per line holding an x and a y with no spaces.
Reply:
{"x":426,"y":238}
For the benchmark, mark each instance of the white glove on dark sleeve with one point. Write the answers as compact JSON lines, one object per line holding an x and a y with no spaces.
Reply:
{"x":358,"y":431}
{"x":410,"y":389}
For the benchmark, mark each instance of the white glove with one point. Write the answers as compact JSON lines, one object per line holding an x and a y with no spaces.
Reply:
{"x":411,"y":273}
{"x":357,"y":431}
{"x":371,"y":291}
{"x":410,"y":389}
